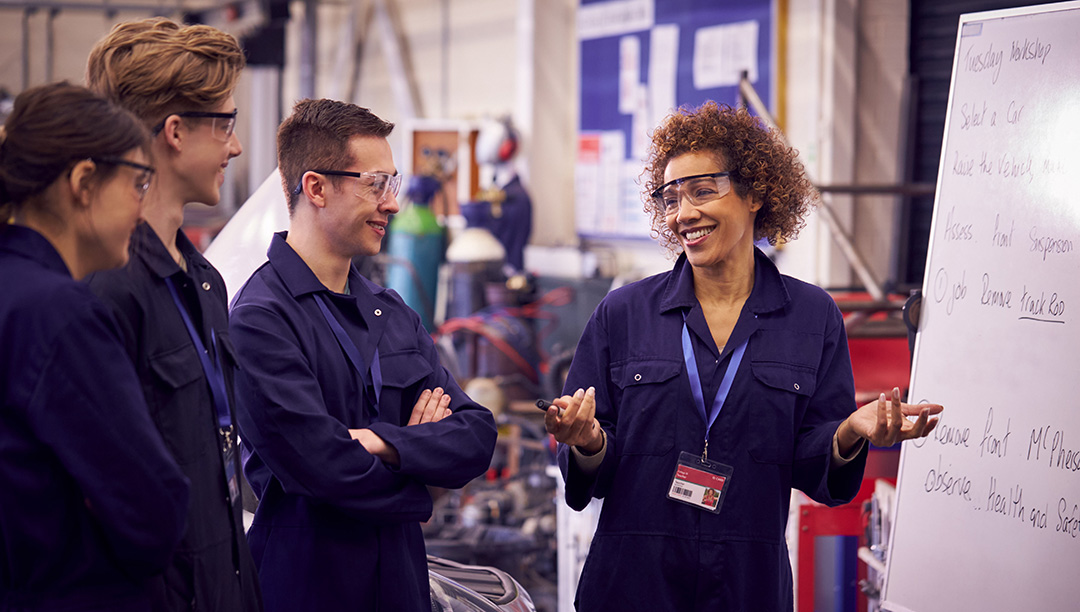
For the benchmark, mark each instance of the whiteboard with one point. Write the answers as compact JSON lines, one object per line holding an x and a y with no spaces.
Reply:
{"x":988,"y":507}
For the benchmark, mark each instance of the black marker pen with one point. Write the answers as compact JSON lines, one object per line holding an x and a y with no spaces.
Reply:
{"x":543,"y":404}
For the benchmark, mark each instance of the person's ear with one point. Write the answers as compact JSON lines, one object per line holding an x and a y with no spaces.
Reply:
{"x":173,"y":133}
{"x":81,"y":181}
{"x":315,"y":188}
{"x":755,"y":203}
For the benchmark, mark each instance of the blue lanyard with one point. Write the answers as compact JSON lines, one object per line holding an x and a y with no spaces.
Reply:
{"x":695,"y":382}
{"x":212,"y":369}
{"x":353,"y":354}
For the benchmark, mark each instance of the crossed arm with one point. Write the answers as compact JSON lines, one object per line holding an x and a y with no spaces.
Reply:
{"x":432,"y":406}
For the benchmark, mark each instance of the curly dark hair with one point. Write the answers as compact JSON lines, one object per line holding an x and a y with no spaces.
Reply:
{"x":761,"y":166}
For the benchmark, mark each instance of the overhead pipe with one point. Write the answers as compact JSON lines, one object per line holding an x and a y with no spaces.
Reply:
{"x":27,"y":12}
{"x":107,"y":7}
{"x":749,"y":96}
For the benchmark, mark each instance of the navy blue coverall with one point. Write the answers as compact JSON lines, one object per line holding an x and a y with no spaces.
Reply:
{"x":91,"y":502}
{"x":789,"y":395}
{"x":336,"y":528}
{"x":212,"y":568}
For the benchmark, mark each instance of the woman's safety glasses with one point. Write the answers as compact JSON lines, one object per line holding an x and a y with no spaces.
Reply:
{"x":699,"y":189}
{"x":143,"y":174}
{"x":371,"y":186}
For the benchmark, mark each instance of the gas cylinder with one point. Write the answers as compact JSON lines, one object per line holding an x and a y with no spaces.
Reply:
{"x":416,"y":251}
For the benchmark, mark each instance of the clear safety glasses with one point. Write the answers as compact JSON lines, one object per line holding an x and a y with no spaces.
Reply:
{"x":222,"y":124}
{"x":143,"y":174}
{"x":371,"y":186}
{"x":698,"y":188}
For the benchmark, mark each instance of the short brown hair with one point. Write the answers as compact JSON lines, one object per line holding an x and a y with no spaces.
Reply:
{"x":761,"y":166}
{"x":50,"y":128}
{"x":317,"y":134}
{"x":156,"y":67}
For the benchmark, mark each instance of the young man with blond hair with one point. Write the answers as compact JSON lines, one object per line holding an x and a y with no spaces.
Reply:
{"x":347,"y":414}
{"x":171,"y":304}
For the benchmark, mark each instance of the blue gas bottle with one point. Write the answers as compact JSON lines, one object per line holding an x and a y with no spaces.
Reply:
{"x":416,"y":250}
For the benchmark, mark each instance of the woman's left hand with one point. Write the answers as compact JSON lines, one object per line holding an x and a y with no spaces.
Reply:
{"x":886,"y":423}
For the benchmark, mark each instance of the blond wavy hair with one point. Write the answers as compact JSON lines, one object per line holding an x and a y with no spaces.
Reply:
{"x":762,"y":167}
{"x":156,"y":67}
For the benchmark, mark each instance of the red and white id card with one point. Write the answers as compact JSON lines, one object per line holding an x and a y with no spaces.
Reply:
{"x":700,"y":482}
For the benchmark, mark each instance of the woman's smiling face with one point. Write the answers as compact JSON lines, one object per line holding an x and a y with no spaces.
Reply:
{"x":716,"y":227}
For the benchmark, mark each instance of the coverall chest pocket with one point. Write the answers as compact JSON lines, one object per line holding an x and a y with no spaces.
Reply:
{"x":401,"y":370}
{"x":784,"y":365}
{"x":648,"y":414}
{"x":180,"y":403}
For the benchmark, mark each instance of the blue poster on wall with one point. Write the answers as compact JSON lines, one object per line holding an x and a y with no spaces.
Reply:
{"x":640,"y":60}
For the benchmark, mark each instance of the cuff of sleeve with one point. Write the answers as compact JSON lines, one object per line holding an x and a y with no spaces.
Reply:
{"x":839,"y":460}
{"x":590,"y":464}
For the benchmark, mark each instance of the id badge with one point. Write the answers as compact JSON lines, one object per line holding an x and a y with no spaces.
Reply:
{"x":229,"y":456}
{"x":700,"y":482}
{"x":231,"y":476}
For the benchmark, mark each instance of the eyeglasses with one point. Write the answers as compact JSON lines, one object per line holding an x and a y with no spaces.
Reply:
{"x":143,"y":177}
{"x":222,"y":126}
{"x":373,"y":186}
{"x":699,"y":189}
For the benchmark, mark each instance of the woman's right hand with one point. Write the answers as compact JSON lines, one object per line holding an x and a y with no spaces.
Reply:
{"x":572,"y":420}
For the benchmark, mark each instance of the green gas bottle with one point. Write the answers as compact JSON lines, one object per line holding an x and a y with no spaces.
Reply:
{"x":416,"y":251}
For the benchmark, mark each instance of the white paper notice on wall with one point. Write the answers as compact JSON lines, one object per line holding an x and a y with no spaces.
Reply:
{"x":613,"y":18}
{"x":609,"y":185}
{"x":663,"y":68}
{"x":639,"y":125}
{"x":629,"y":73}
{"x":723,"y":52}
{"x":633,"y":221}
{"x":587,"y":181}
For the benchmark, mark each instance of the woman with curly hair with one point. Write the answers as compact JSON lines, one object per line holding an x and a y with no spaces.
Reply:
{"x":704,"y":394}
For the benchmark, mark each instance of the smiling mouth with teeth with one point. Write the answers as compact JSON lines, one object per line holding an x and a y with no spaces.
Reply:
{"x":695,"y":234}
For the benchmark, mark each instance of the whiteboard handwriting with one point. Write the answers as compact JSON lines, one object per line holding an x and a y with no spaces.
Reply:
{"x":1037,"y":517}
{"x":992,"y":444}
{"x":1029,"y":50}
{"x":955,"y":229}
{"x":944,"y":291}
{"x":1013,"y":114}
{"x":985,"y":60}
{"x":1002,"y":239}
{"x":1010,"y":166}
{"x":939,"y":480}
{"x":1068,"y":520}
{"x":994,"y":297}
{"x":972,"y":116}
{"x":1059,"y":454}
{"x":946,"y":435}
{"x":1041,"y":308}
{"x":962,"y":166}
{"x":1021,"y":167}
{"x":1006,"y":503}
{"x":1048,"y":245}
